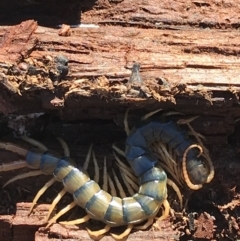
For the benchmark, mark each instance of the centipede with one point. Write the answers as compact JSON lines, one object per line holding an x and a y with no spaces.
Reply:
{"x":192,"y":165}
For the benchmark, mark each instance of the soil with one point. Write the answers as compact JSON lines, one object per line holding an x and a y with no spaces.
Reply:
{"x":192,"y":45}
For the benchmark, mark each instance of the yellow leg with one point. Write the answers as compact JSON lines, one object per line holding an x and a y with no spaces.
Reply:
{"x":105,"y":177}
{"x":164,"y":215}
{"x":96,"y":168}
{"x":118,"y":150}
{"x":40,"y":192}
{"x":97,"y":234}
{"x":124,"y":166}
{"x":112,"y":187}
{"x":14,"y":148}
{"x":76,"y":221}
{"x":64,"y":146}
{"x":177,"y":190}
{"x":119,"y":185}
{"x":126,"y":183}
{"x":86,"y":163}
{"x":34,"y":142}
{"x":22,"y":176}
{"x":145,"y":117}
{"x":63,"y":211}
{"x":55,"y":202}
{"x":145,"y":225}
{"x":124,"y":234}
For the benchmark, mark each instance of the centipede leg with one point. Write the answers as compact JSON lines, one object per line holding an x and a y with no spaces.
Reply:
{"x":177,"y":190}
{"x":125,"y":121}
{"x":55,"y":202}
{"x":23,"y":176}
{"x":105,"y":178}
{"x":164,"y":215}
{"x":145,"y":225}
{"x":145,"y":117}
{"x":34,"y":142}
{"x":97,"y":234}
{"x":123,"y":234}
{"x":60,"y":213}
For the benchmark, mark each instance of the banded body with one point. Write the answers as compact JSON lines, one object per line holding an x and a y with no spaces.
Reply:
{"x":145,"y":204}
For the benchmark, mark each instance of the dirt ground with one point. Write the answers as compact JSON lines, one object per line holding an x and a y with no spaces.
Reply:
{"x":189,"y":55}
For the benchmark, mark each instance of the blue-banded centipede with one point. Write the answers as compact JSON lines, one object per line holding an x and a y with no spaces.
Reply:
{"x":143,"y":205}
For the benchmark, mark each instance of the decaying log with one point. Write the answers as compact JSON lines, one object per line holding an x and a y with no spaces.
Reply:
{"x":188,"y":53}
{"x":21,"y":225}
{"x":176,"y":66}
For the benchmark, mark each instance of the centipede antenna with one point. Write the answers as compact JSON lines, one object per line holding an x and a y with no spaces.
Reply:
{"x":177,"y":190}
{"x":184,"y":168}
{"x":64,"y":146}
{"x":124,"y":234}
{"x":5,"y":167}
{"x":119,"y":185}
{"x":198,"y":138}
{"x":59,"y":214}
{"x":86,"y":163}
{"x":125,"y":121}
{"x":22,"y":176}
{"x":112,"y":187}
{"x":145,"y":117}
{"x":55,"y":202}
{"x":76,"y":221}
{"x":96,"y":168}
{"x":105,"y":178}
{"x":40,"y":193}
{"x":126,"y":183}
{"x":145,"y":225}
{"x":34,"y":142}
{"x":205,"y":150}
{"x":14,"y":148}
{"x":96,"y":234}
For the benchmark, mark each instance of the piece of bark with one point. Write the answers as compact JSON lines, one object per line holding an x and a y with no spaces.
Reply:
{"x":73,"y":233}
{"x":100,"y":62}
{"x":20,"y":226}
{"x":5,"y":228}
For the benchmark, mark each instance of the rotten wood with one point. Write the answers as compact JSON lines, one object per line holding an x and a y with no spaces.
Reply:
{"x":176,"y":66}
{"x":188,"y":52}
{"x":21,"y":225}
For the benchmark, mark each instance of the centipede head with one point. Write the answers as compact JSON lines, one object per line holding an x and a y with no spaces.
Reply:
{"x":198,"y":171}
